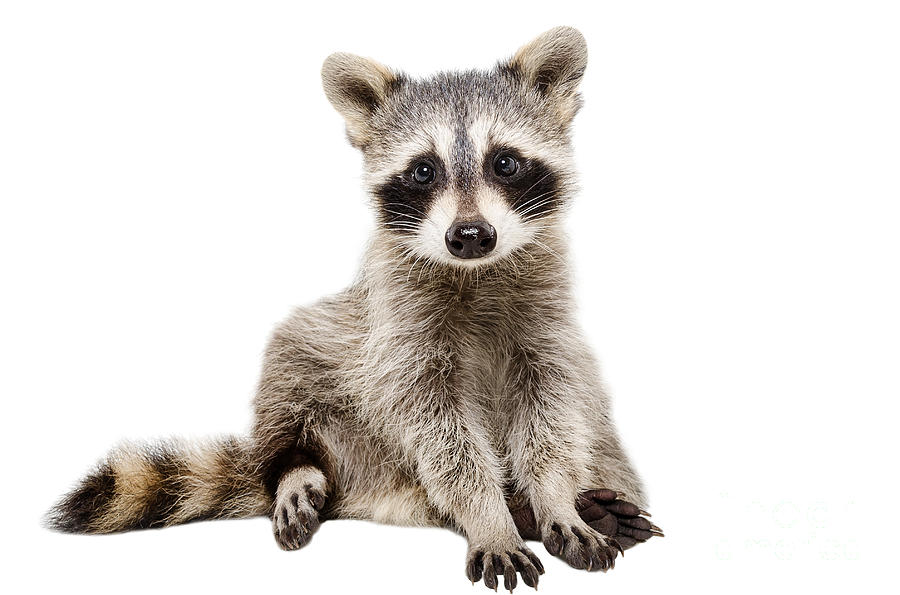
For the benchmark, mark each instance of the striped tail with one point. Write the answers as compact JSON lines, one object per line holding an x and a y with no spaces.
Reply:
{"x":167,"y":483}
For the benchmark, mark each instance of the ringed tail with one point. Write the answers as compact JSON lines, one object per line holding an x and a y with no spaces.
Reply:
{"x":162,"y":484}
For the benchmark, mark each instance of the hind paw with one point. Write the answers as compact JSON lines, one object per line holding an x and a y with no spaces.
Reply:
{"x":296,"y":516}
{"x":608,"y":514}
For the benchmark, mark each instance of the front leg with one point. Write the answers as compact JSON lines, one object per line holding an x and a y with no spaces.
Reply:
{"x":550,"y":443}
{"x":444,"y":436}
{"x":460,"y":475}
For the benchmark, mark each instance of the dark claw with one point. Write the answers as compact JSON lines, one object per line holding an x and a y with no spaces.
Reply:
{"x":530,"y":577}
{"x":611,"y":559}
{"x":474,"y":567}
{"x":490,"y":575}
{"x":526,"y":568}
{"x":534,"y":560}
{"x":614,"y":543}
{"x":599,"y":561}
{"x":490,"y":578}
{"x":509,"y":577}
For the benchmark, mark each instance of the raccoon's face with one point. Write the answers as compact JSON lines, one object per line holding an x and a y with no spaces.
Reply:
{"x":465,"y":168}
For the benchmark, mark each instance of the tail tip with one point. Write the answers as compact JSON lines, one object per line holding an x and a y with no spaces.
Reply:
{"x":78,"y":510}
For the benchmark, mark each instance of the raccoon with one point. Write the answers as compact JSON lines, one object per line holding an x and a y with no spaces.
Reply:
{"x":449,"y":385}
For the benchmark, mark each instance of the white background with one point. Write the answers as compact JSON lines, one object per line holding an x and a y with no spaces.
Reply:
{"x":173,"y":180}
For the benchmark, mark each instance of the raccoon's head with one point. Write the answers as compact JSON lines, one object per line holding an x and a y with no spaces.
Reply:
{"x":465,"y":168}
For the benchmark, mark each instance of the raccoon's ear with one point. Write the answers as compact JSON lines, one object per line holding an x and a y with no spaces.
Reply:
{"x":554,"y":63}
{"x":356,"y":86}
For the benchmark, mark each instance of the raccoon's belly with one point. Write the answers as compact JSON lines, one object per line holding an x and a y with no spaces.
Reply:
{"x":373,"y":483}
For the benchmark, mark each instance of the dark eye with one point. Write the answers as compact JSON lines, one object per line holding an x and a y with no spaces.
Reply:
{"x":505,"y":165}
{"x":423,"y":174}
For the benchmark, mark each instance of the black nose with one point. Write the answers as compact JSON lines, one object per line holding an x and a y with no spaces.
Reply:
{"x":471,"y":239}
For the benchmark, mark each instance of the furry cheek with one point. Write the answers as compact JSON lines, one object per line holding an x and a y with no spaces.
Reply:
{"x":512,"y":232}
{"x":429,"y":239}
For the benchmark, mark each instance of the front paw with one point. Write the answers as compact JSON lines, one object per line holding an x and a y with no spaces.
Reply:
{"x":579,"y":545}
{"x":604,"y":511}
{"x":491,"y":561}
{"x":296,"y":516}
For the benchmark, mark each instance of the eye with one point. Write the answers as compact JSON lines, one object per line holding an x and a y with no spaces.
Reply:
{"x":423,"y":173}
{"x":505,"y":165}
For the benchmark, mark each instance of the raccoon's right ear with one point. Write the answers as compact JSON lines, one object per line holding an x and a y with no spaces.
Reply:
{"x":356,"y":86}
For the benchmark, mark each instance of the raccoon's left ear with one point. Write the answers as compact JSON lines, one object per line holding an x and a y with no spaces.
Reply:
{"x":554,"y":63}
{"x":356,"y":86}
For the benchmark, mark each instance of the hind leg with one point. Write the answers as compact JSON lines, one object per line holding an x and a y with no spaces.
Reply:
{"x":299,"y":498}
{"x":606,"y":511}
{"x":603,"y":510}
{"x":613,"y":500}
{"x":610,"y":502}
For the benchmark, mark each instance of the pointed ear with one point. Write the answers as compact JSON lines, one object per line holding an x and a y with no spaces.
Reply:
{"x":554,"y":63}
{"x":356,"y":86}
